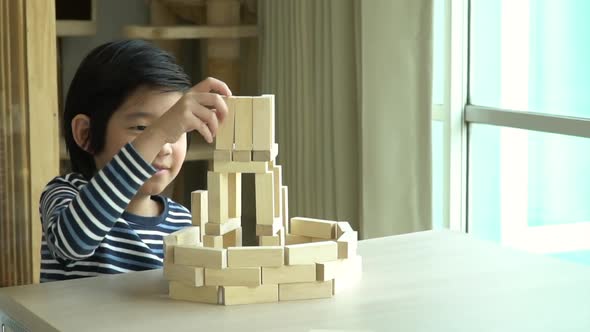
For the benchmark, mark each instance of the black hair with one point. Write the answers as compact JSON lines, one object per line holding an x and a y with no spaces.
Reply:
{"x":106,"y":77}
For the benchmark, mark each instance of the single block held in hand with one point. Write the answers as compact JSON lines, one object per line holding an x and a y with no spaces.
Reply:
{"x":224,"y":140}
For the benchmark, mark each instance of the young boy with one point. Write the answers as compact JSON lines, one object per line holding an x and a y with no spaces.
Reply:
{"x":126,"y":116}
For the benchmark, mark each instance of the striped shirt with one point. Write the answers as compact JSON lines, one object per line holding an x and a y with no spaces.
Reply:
{"x":86,"y":230}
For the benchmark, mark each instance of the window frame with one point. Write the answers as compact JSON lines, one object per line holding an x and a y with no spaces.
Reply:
{"x":457,"y":113}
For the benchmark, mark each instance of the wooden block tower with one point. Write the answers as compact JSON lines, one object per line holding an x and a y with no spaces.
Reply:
{"x":300,"y":258}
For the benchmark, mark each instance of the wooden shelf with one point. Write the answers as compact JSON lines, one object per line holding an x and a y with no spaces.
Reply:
{"x":189,"y":32}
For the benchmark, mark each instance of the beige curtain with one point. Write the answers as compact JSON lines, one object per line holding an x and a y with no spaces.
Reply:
{"x":352,"y":81}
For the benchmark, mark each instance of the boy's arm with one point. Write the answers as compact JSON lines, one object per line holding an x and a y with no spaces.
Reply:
{"x":75,"y":223}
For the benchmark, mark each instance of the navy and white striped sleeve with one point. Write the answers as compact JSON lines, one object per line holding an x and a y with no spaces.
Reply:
{"x":75,"y":222}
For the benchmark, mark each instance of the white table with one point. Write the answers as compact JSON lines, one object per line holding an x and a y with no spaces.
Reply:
{"x":428,"y":281}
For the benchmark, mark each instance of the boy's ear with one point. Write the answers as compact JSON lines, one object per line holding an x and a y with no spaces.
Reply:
{"x":81,"y":131}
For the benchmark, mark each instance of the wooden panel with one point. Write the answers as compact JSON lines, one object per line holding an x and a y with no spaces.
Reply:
{"x":28,"y":149}
{"x":42,"y":100}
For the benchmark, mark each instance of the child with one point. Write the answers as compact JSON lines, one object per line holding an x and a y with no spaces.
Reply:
{"x":126,"y":116}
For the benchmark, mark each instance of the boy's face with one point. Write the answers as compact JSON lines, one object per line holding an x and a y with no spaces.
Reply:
{"x":139,"y":111}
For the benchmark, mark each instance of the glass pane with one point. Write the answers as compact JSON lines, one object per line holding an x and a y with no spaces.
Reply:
{"x":438,"y":52}
{"x":582,"y":257}
{"x":518,"y":176}
{"x":437,"y":175}
{"x":531,"y":55}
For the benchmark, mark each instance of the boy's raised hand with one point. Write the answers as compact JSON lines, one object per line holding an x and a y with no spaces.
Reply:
{"x":201,"y":108}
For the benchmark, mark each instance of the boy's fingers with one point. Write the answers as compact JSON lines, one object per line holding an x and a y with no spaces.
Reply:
{"x":212,"y":84}
{"x":209,"y":118}
{"x":203,"y":129}
{"x":213,"y":101}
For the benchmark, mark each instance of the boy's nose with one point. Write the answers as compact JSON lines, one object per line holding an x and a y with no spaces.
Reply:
{"x":165,"y":150}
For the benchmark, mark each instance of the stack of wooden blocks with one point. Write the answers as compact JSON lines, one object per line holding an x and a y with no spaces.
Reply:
{"x":300,"y":258}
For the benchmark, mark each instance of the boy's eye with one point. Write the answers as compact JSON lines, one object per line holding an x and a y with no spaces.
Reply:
{"x":138,"y":128}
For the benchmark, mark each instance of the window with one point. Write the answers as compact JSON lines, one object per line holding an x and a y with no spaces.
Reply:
{"x":528,"y":124}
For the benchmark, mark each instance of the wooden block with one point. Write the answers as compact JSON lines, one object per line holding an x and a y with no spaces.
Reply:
{"x":168,"y":253}
{"x":317,"y":239}
{"x":203,"y":294}
{"x":186,"y":236}
{"x":353,"y":275}
{"x":233,"y":238}
{"x":188,"y":275}
{"x":330,"y":270}
{"x":266,"y":155}
{"x":269,"y":230}
{"x":342,"y":227}
{"x":264,"y":184}
{"x":217,"y":196}
{"x":272,"y":240}
{"x":305,"y":290}
{"x":240,"y":167}
{"x":169,"y":242}
{"x":221,"y":229}
{"x":224,"y":140}
{"x":242,"y":155}
{"x":200,"y":256}
{"x":222,"y":155}
{"x":255,"y":256}
{"x":347,"y":245}
{"x":233,"y":295}
{"x":234,"y":181}
{"x":313,"y":227}
{"x":199,"y":207}
{"x":296,"y":239}
{"x":263,"y":129}
{"x":233,"y":276}
{"x":269,"y":240}
{"x":278,"y":194}
{"x":243,"y":123}
{"x":289,"y":274}
{"x":308,"y":253}
{"x":285,"y":207}
{"x":213,"y":241}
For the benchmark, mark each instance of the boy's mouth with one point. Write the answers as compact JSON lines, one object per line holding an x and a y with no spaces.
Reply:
{"x":160,"y":167}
